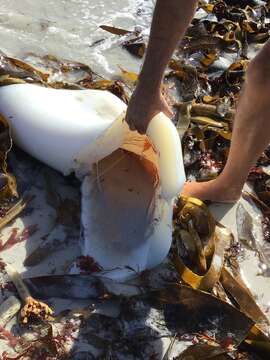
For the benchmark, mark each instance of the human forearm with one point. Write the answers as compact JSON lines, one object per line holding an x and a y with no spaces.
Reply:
{"x":170,"y":20}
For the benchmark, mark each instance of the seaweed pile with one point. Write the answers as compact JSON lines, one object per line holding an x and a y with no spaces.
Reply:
{"x":196,"y":305}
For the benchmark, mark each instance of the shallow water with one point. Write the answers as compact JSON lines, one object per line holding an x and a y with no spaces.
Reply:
{"x":70,"y":29}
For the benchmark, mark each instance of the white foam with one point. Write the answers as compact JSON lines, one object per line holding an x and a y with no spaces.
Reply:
{"x":68,"y":28}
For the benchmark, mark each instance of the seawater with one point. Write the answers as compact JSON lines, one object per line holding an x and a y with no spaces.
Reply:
{"x":70,"y":29}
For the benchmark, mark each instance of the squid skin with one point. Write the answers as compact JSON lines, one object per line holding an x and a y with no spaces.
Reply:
{"x":71,"y":130}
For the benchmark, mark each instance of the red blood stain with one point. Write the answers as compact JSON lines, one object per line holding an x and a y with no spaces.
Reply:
{"x":12,"y":240}
{"x":88,"y":264}
{"x":16,"y":237}
{"x":29,"y":231}
{"x":6,"y":335}
{"x":226,"y":343}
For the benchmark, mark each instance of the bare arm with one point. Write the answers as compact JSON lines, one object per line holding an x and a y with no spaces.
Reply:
{"x":170,"y":20}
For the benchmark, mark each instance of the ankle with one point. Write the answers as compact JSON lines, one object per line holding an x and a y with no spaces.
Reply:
{"x":227,"y":184}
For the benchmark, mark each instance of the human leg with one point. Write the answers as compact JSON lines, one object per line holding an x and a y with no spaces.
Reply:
{"x":251,"y":135}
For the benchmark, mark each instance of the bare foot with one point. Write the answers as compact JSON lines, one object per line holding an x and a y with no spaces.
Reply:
{"x":213,"y":190}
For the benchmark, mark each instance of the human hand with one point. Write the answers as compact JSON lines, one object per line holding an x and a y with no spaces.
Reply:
{"x":143,"y":106}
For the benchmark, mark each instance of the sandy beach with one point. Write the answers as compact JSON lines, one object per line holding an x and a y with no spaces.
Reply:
{"x":172,"y":309}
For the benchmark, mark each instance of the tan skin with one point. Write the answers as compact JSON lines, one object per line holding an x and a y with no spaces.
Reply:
{"x":251,"y":132}
{"x":170,"y":20}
